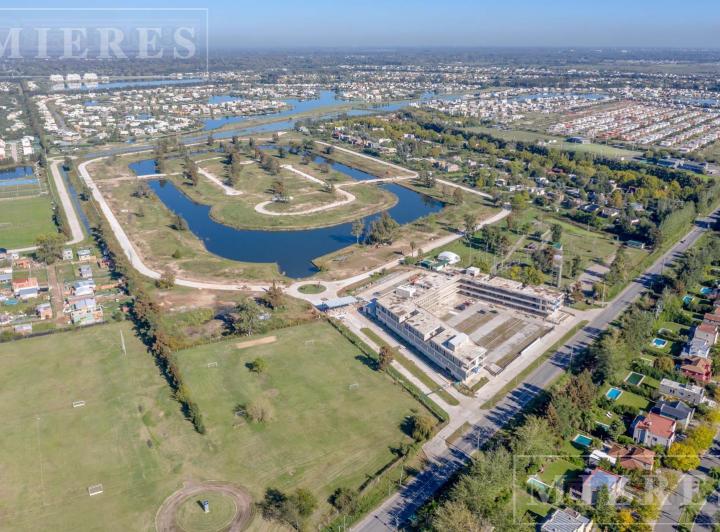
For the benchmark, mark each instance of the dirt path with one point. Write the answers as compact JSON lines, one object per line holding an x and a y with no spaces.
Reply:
{"x":165,"y":517}
{"x":56,"y":294}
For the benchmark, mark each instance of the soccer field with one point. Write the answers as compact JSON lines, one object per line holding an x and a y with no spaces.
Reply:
{"x":23,"y":220}
{"x":334,"y":420}
{"x":53,"y":451}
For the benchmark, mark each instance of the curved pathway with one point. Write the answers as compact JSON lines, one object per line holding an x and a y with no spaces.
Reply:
{"x":349,"y":198}
{"x":229,"y":191}
{"x":332,"y":287}
{"x":165,"y":519}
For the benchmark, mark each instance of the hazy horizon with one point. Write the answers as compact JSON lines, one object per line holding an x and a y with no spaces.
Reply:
{"x":282,"y":24}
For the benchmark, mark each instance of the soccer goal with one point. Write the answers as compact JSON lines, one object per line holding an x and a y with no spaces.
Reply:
{"x":212,"y":364}
{"x":353,"y":386}
{"x":78,"y":404}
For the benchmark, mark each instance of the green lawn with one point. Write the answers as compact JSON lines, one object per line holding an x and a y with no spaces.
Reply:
{"x":53,"y":452}
{"x":628,"y":399}
{"x":334,"y":418}
{"x":23,"y":220}
{"x":519,"y":135}
{"x":131,"y":436}
{"x":559,"y":472}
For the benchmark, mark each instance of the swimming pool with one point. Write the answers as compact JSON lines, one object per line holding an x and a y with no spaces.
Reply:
{"x":688,"y":299}
{"x":634,"y":378}
{"x":613,"y":393}
{"x":538,"y":485}
{"x":659,"y":342}
{"x":582,"y":440}
{"x":705,"y":290}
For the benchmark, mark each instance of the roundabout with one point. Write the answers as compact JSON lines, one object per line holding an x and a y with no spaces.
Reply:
{"x":229,"y":508}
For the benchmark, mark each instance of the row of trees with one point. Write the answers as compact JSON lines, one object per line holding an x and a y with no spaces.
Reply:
{"x":147,"y":317}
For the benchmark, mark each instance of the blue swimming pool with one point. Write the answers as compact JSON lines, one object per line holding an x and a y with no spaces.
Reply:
{"x":659,"y":342}
{"x":705,"y":290}
{"x":582,"y":440}
{"x":688,"y":299}
{"x":613,"y":393}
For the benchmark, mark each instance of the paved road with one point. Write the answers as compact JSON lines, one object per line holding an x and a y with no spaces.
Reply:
{"x":401,"y":506}
{"x":76,"y":231}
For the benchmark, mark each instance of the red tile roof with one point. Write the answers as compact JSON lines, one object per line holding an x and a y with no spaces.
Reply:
{"x":658,"y":425}
{"x":25,"y":283}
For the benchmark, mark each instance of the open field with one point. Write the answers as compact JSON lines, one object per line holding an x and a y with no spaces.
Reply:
{"x":334,"y":419}
{"x":121,"y":438}
{"x":23,"y":220}
{"x":518,"y":135}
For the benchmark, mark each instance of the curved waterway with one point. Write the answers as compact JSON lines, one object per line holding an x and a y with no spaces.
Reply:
{"x":293,"y":251}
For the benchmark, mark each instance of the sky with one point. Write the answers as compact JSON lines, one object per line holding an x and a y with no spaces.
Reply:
{"x":459,"y":23}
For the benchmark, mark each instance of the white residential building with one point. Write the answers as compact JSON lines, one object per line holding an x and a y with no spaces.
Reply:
{"x":690,"y":393}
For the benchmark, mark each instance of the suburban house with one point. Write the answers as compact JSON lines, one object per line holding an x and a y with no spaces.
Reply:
{"x":691,"y":393}
{"x":652,"y":429}
{"x":44,"y":311}
{"x":706,"y":331}
{"x":85,"y":255}
{"x":67,"y":254}
{"x":697,"y":368}
{"x":676,"y":410}
{"x":697,"y":347}
{"x":599,"y":478}
{"x":25,"y":288}
{"x":713,"y":318}
{"x":566,"y":520}
{"x":632,"y":457}
{"x":85,"y":271}
{"x":85,"y":311}
{"x":84,"y":287}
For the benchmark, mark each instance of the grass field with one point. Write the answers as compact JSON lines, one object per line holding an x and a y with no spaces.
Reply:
{"x":131,"y":438}
{"x":23,"y":220}
{"x":334,"y":418}
{"x":53,"y":451}
{"x":518,"y":135}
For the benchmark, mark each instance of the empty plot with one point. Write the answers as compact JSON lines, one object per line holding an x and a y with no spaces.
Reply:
{"x":53,"y":453}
